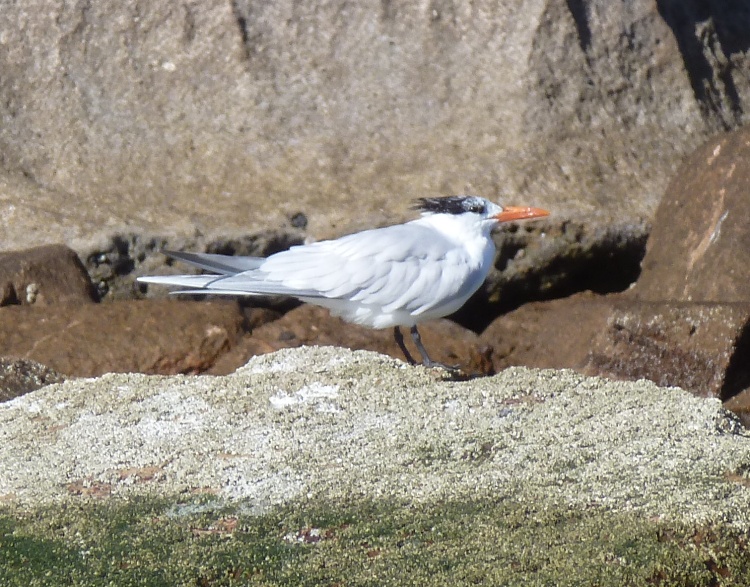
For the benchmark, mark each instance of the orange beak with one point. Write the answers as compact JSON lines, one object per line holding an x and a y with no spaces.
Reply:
{"x":519,"y":213}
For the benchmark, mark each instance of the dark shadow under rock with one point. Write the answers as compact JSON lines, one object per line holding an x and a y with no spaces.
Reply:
{"x":555,"y":259}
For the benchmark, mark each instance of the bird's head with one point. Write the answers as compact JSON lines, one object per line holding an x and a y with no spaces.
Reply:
{"x":486,"y":211}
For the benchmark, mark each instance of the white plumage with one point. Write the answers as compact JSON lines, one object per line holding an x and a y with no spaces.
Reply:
{"x":386,"y":277}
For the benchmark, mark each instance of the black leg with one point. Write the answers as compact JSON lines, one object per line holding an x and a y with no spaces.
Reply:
{"x":426,"y":360}
{"x":400,"y":342}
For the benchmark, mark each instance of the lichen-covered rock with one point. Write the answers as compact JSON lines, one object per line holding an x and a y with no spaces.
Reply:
{"x":329,"y":424}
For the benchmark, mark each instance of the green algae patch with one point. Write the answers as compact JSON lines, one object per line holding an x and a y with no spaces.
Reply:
{"x":200,"y":542}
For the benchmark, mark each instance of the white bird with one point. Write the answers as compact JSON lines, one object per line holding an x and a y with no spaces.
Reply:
{"x":386,"y":277}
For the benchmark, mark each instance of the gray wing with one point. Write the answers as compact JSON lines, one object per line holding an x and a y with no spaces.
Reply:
{"x":397,"y":267}
{"x":406,"y":267}
{"x":223,"y":264}
{"x":220,"y":285}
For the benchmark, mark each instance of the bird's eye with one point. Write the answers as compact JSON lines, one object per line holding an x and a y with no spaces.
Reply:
{"x":476,"y":207}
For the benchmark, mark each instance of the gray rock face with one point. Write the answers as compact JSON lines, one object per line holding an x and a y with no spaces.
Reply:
{"x":314,"y":423}
{"x":235,"y":116}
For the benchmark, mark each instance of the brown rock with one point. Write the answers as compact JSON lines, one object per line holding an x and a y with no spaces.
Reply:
{"x":703,"y":348}
{"x":687,"y":320}
{"x":20,"y":376}
{"x":446,"y":341}
{"x":697,"y":252}
{"x":549,"y":335}
{"x":158,"y":336}
{"x":740,"y":405}
{"x":699,"y":248}
{"x":44,"y":275}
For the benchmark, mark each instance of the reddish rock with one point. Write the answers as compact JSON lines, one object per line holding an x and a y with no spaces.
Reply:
{"x":549,"y":335}
{"x":696,"y":273}
{"x":699,"y":247}
{"x":703,"y":348}
{"x":687,"y":320}
{"x":44,"y":276}
{"x":155,"y":336}
{"x":446,"y":341}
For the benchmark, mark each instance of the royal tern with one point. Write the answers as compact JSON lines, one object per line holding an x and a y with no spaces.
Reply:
{"x":386,"y":277}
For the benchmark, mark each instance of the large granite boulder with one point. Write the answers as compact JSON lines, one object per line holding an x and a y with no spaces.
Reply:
{"x":233,"y":117}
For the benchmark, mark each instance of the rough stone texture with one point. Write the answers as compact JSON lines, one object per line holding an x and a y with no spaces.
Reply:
{"x":686,"y":321}
{"x":446,"y":341}
{"x":695,"y":330}
{"x":164,"y":336}
{"x":556,"y":334}
{"x":44,"y":276}
{"x":311,"y":424}
{"x":740,"y":405}
{"x":220,"y":117}
{"x":20,"y":376}
{"x":704,"y":348}
{"x":701,"y":347}
{"x":698,"y":248}
{"x":115,"y":262}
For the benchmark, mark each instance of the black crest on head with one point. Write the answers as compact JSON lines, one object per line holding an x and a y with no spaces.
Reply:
{"x":451,"y":205}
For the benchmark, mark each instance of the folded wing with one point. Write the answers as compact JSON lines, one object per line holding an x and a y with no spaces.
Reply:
{"x":406,"y":267}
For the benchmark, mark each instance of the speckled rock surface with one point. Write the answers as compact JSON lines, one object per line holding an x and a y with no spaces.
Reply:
{"x":20,"y":376}
{"x":314,"y":423}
